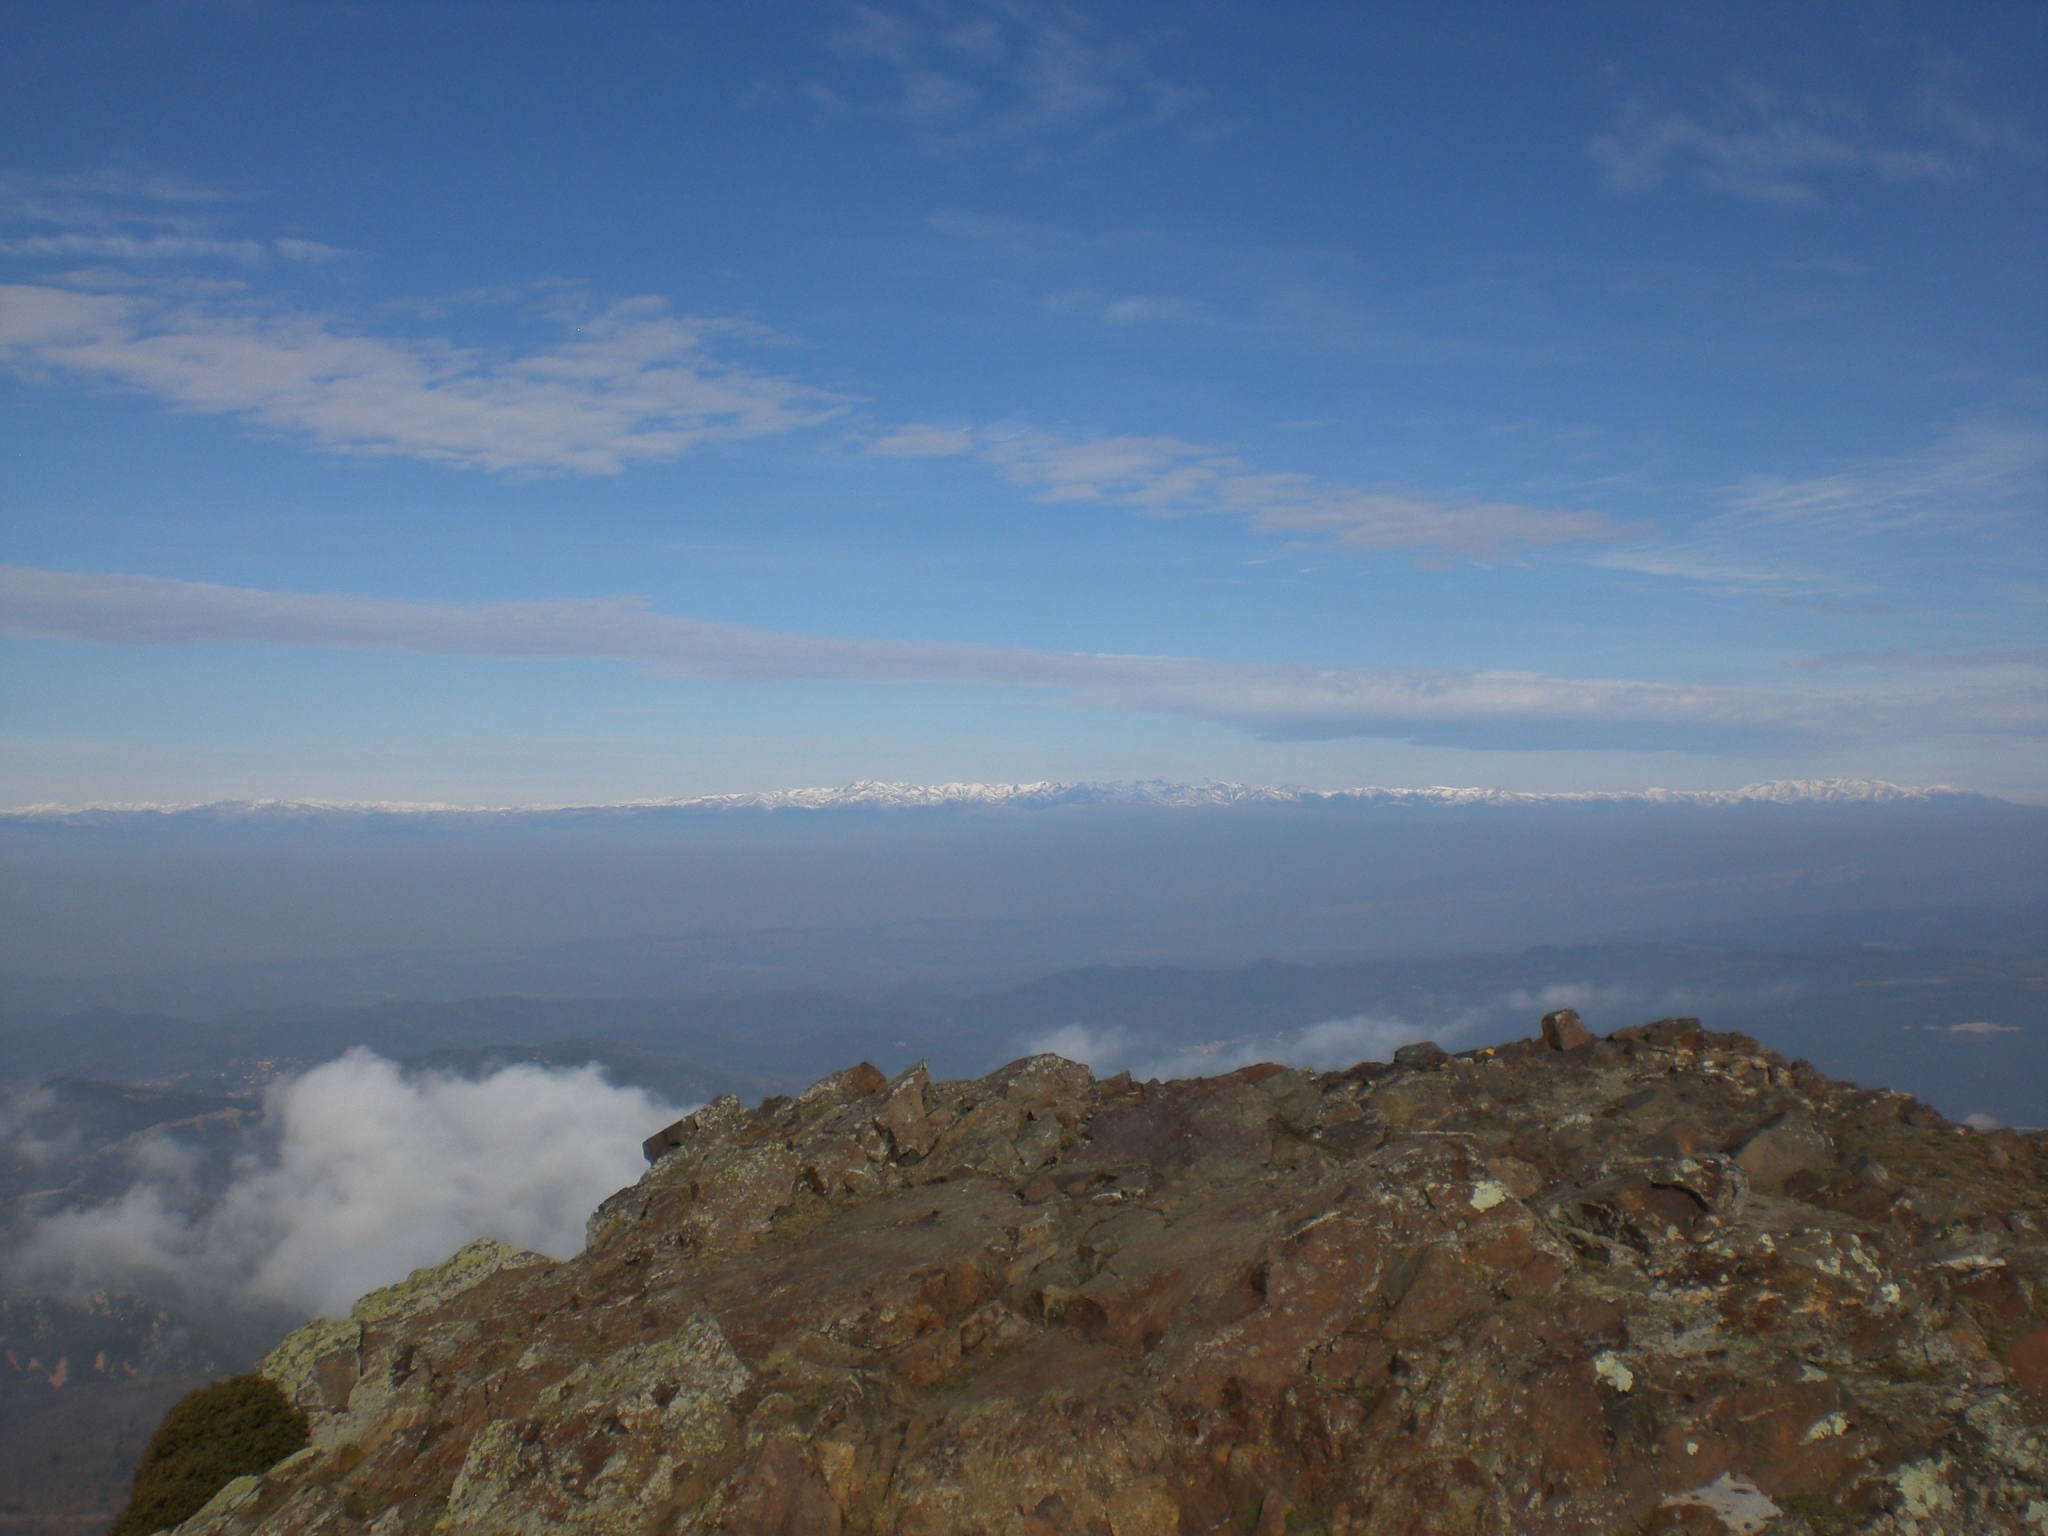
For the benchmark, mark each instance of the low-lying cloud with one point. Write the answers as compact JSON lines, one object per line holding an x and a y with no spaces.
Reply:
{"x":1443,"y":706}
{"x":1328,"y":1046}
{"x":1333,"y":1044}
{"x":361,"y":1174}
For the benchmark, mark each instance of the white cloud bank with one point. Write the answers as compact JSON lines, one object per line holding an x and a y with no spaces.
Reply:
{"x":368,"y":1175}
{"x":1436,"y":705}
{"x":634,"y":382}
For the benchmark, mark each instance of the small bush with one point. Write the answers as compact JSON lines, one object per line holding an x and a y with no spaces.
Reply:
{"x":208,"y":1439}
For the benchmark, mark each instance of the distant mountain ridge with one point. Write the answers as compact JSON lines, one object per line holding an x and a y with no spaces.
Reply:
{"x":874,"y":795}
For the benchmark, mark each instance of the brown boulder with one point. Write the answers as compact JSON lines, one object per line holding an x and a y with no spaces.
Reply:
{"x":1784,"y":1145}
{"x":1564,"y":1031}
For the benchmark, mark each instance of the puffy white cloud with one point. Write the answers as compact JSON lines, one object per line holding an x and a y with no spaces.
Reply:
{"x":366,"y":1174}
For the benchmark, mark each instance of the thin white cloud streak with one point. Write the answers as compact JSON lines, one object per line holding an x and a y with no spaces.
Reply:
{"x":1168,"y":477}
{"x":1978,"y":487}
{"x":1923,"y":661}
{"x":122,"y":216}
{"x":132,"y":247}
{"x":635,"y":382}
{"x":117,"y":206}
{"x":136,"y":191}
{"x":1755,"y":140}
{"x":1140,"y":309}
{"x":1975,"y":477}
{"x":366,"y":1175}
{"x":1279,"y":702}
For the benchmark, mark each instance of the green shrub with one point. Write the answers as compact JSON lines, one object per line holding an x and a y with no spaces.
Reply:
{"x":209,"y":1438}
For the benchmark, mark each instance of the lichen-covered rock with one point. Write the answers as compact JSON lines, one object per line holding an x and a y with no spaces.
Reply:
{"x":1660,"y":1282}
{"x":321,"y":1367}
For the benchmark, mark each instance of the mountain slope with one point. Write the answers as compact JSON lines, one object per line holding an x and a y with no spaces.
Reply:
{"x":1661,"y":1282}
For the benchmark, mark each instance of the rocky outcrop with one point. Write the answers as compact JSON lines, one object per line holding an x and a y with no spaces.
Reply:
{"x":1660,"y":1282}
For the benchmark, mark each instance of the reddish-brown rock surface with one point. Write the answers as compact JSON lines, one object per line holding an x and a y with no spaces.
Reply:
{"x":1663,"y":1281}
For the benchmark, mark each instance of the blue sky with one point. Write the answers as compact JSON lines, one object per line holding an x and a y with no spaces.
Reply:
{"x":522,"y":403}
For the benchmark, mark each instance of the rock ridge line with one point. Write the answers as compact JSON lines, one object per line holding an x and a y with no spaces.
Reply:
{"x":1659,"y":1281}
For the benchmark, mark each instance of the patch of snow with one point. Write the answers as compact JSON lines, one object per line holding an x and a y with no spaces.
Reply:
{"x":874,"y":795}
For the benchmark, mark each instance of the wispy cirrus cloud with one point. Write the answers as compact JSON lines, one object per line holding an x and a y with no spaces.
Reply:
{"x":1756,"y":140}
{"x":1974,"y":477}
{"x":72,"y":246}
{"x":1445,"y":706}
{"x":118,"y":215}
{"x":633,"y":381}
{"x":113,"y":197}
{"x":135,"y":216}
{"x":1146,"y":309}
{"x":1168,"y":477}
{"x":972,"y":74}
{"x":1979,"y":486}
{"x":628,"y":381}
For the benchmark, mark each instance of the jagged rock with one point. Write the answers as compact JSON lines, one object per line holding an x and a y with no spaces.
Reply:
{"x":1661,"y":1282}
{"x":320,"y":1365}
{"x":1786,"y":1144}
{"x":1564,"y":1031}
{"x":1423,"y":1053}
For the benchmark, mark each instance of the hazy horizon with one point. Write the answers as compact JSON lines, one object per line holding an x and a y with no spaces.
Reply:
{"x":878,"y":886}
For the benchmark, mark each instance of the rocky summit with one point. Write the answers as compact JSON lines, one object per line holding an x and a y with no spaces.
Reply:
{"x":1662,"y":1281}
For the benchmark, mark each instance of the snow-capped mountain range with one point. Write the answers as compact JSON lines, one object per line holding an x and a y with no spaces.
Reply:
{"x":871,"y":795}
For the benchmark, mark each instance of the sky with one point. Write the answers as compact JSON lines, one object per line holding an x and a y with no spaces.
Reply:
{"x":525,"y":404}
